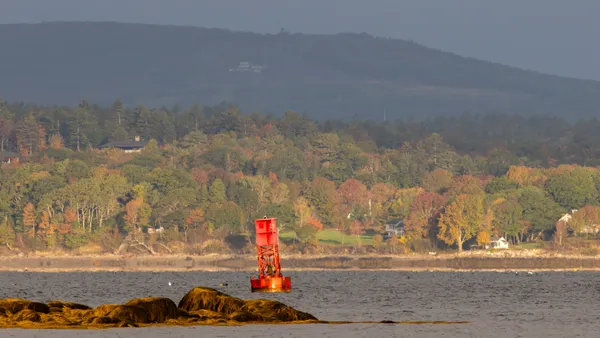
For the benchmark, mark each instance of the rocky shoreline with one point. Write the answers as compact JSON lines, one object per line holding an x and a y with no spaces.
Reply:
{"x":291,"y":263}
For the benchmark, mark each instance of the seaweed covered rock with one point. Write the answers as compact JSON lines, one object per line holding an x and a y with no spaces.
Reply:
{"x":16,"y":305}
{"x":200,"y":306}
{"x":275,"y":311}
{"x":27,"y":315}
{"x":205,"y":314}
{"x":62,"y":305}
{"x":246,"y":317}
{"x":200,"y":298}
{"x":123,"y":313}
{"x":57,"y":318}
{"x":103,"y":320}
{"x":210,"y":303}
{"x":159,"y":310}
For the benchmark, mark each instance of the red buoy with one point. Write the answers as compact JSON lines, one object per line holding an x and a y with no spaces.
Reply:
{"x":270,"y":278}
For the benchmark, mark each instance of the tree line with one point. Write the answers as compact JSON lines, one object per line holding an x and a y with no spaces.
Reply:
{"x":206,"y":173}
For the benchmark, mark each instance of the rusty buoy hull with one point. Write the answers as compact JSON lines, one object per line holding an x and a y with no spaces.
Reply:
{"x":271,"y":284}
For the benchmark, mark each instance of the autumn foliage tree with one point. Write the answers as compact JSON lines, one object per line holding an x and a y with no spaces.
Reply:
{"x":29,"y":219}
{"x":461,"y":220}
{"x":424,"y":211}
{"x":307,"y":224}
{"x":194,"y":220}
{"x":47,"y":230}
{"x":56,"y":141}
{"x":483,"y":237}
{"x":137,"y":213}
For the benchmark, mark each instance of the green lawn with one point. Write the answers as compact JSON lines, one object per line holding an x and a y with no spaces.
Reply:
{"x":532,"y":245}
{"x":332,"y":237}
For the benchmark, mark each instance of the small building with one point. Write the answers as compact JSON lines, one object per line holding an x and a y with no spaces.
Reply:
{"x":9,"y":157}
{"x":394,"y":227}
{"x":497,"y":243}
{"x":134,"y":146}
{"x":156,"y":230}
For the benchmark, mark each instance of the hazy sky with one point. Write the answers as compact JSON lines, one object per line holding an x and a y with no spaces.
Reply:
{"x":552,"y":36}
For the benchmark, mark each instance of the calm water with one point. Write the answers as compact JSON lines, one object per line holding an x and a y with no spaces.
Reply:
{"x":557,"y":304}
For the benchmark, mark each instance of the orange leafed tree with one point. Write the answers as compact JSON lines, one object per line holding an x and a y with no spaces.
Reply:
{"x":305,"y":214}
{"x":132,"y":209}
{"x":29,"y":219}
{"x":273,"y":178}
{"x":137,"y":213}
{"x":194,"y":220}
{"x":70,"y":217}
{"x":314,"y":222}
{"x":44,"y":224}
{"x":56,"y":141}
{"x":483,"y":237}
{"x":526,"y":176}
{"x":353,"y":192}
{"x":47,"y":230}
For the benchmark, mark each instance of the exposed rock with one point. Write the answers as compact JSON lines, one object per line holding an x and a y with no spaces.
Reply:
{"x":201,"y":298}
{"x":159,"y":310}
{"x":200,"y":306}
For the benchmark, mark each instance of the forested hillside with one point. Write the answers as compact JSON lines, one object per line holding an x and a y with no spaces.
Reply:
{"x":324,"y":76}
{"x":205,"y":173}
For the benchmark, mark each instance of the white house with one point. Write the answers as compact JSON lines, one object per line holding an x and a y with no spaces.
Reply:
{"x":394,"y":227}
{"x":587,"y":229}
{"x":156,"y":231}
{"x":497,"y":243}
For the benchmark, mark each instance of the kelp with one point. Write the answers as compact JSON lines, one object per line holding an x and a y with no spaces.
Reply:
{"x":200,"y":306}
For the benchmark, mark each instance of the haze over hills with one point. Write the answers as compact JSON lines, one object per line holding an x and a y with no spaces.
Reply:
{"x":342,"y":75}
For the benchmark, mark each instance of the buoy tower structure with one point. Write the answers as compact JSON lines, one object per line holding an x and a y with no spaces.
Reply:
{"x":269,"y":278}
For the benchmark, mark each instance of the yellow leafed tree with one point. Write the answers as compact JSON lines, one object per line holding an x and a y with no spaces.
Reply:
{"x":461,"y":220}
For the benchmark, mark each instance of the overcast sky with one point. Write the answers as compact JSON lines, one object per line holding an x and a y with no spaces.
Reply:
{"x":552,"y":36}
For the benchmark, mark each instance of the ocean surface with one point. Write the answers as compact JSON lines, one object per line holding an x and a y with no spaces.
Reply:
{"x":495,"y":304}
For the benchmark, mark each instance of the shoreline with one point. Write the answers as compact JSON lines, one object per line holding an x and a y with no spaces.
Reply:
{"x":507,"y":261}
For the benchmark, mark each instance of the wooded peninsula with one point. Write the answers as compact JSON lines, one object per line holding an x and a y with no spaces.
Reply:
{"x":116,"y":180}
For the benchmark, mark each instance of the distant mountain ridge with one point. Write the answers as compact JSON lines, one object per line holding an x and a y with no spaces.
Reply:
{"x":325,"y":76}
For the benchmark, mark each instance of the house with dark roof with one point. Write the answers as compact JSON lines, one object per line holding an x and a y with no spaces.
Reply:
{"x":134,"y":146}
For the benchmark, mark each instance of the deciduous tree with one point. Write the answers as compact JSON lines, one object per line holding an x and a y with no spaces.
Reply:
{"x":461,"y":220}
{"x":29,"y":219}
{"x":424,"y":211}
